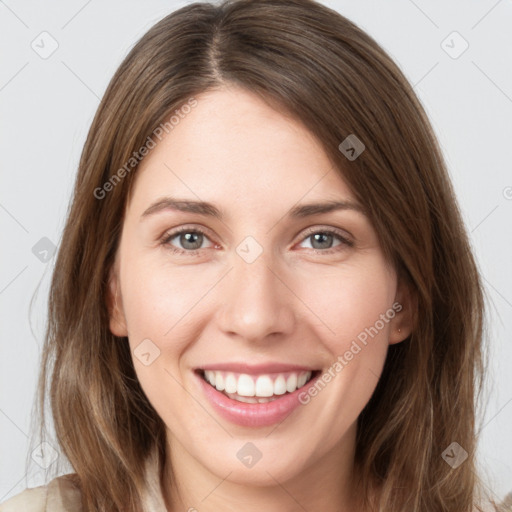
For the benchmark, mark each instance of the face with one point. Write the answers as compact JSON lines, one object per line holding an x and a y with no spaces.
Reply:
{"x":262,"y":299}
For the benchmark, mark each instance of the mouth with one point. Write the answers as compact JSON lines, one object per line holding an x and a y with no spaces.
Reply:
{"x":259,"y":388}
{"x":255,"y":396}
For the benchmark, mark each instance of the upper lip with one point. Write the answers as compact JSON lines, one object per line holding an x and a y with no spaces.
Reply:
{"x":257,"y":369}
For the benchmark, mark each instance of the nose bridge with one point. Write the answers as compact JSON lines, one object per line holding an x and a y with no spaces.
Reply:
{"x":257,"y":302}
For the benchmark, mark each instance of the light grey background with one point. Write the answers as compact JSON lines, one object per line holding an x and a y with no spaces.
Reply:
{"x":48,"y":104}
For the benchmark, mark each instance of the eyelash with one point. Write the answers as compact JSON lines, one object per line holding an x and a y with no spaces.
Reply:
{"x":345,"y":242}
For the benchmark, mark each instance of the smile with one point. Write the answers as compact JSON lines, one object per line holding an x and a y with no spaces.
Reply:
{"x":256,"y":388}
{"x":254,"y":398}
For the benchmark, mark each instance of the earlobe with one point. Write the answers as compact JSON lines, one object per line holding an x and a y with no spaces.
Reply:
{"x":117,"y":321}
{"x":402,"y":325}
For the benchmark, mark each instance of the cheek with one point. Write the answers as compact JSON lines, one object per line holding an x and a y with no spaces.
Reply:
{"x":349,"y":301}
{"x":356,"y":305}
{"x":352,"y":302}
{"x":161,"y":305}
{"x":161,"y":301}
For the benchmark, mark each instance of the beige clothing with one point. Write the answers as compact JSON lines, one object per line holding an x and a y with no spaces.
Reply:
{"x":60,"y":495}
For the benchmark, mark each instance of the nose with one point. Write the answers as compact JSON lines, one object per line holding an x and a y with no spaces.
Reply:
{"x":257,"y":301}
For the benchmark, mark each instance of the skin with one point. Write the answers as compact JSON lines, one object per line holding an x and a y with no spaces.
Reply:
{"x":292,"y":304}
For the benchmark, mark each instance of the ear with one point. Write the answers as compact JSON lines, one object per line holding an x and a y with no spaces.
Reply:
{"x":406,"y":309}
{"x":117,"y":320}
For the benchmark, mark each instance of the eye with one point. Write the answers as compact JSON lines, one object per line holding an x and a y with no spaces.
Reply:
{"x":190,"y":239}
{"x":321,"y":240}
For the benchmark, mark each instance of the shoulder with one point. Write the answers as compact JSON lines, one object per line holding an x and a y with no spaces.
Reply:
{"x":59,"y":495}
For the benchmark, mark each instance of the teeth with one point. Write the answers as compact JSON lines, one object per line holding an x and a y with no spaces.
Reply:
{"x":291,"y":383}
{"x":229,"y":384}
{"x":245,"y":399}
{"x":219,"y":381}
{"x":302,"y":380}
{"x":245,"y":386}
{"x":280,"y":386}
{"x":251,"y":399}
{"x":256,"y":389}
{"x":264,"y":386}
{"x":210,"y":377}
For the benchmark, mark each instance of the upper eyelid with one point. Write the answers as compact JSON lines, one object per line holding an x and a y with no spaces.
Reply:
{"x":171,"y":233}
{"x":318,"y":229}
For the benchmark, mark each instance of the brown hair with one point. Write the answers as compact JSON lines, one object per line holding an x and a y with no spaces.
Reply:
{"x":310,"y":62}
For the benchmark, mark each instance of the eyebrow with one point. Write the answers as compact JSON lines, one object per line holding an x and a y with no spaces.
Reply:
{"x":210,"y":210}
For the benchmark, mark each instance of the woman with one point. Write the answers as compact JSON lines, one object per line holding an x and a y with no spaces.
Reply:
{"x":264,"y":296}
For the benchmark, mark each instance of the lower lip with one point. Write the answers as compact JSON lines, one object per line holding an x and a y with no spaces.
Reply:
{"x":253,"y":415}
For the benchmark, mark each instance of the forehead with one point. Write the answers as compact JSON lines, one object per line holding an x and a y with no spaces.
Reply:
{"x":233,"y":145}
